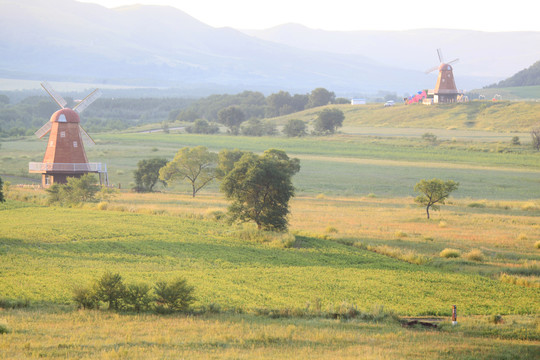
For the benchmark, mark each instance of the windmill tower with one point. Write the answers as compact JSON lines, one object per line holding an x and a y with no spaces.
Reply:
{"x":445,"y":90}
{"x":65,"y":156}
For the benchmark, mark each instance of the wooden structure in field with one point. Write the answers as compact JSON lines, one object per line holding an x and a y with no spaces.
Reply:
{"x":445,"y":89}
{"x":65,"y":156}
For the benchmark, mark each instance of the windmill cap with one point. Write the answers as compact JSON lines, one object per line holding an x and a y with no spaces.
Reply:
{"x":444,"y":66}
{"x":65,"y":115}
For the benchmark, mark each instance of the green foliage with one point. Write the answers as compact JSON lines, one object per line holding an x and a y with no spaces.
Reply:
{"x":85,"y":297}
{"x":525,"y":77}
{"x":2,"y":199}
{"x":535,"y":135}
{"x":226,"y":160}
{"x":295,"y":128}
{"x":475,"y":255}
{"x":138,"y":297}
{"x":450,"y":253}
{"x":76,"y":190}
{"x":201,"y":126}
{"x":232,"y":117}
{"x":515,"y":141}
{"x":4,"y":329}
{"x":260,"y":188}
{"x":320,"y":97}
{"x":176,"y":295}
{"x":433,"y":192}
{"x":147,"y":174}
{"x":257,"y":127}
{"x":328,"y":121}
{"x":197,"y":165}
{"x":282,"y":103}
{"x":110,"y":288}
{"x":430,"y":137}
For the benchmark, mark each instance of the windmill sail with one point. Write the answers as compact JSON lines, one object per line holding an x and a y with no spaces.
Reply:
{"x":54,"y":95}
{"x":439,"y":52}
{"x":85,"y":137}
{"x":94,"y":95}
{"x":43,"y":130}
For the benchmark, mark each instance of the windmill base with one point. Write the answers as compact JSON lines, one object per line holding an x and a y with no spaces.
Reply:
{"x":48,"y":179}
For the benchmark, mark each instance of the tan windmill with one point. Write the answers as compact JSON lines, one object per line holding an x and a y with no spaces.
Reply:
{"x":445,"y":90}
{"x":65,"y":156}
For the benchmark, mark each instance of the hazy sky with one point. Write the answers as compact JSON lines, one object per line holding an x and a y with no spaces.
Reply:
{"x":484,"y":15}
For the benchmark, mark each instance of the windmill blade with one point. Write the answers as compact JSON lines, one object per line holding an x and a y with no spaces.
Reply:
{"x":44,"y":130}
{"x":93,"y":96}
{"x":54,"y":95}
{"x":453,"y":61}
{"x":85,"y":137}
{"x":439,"y":52}
{"x":432,"y":69}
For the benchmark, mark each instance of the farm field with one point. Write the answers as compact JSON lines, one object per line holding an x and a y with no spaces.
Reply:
{"x":357,"y":243}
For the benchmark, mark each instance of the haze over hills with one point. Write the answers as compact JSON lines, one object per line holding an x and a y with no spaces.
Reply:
{"x":159,"y":46}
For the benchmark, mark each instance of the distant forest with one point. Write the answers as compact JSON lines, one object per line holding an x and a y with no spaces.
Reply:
{"x":28,"y":115}
{"x":526,"y":77}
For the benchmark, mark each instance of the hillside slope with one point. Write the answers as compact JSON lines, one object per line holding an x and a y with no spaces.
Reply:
{"x":526,"y":77}
{"x":501,"y":116}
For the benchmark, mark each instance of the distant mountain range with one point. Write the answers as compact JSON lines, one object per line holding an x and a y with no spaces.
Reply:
{"x":64,"y":40}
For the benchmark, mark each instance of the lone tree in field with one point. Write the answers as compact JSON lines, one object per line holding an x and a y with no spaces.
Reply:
{"x":433,"y":192}
{"x":535,"y":134}
{"x":232,"y":117}
{"x":328,"y":121}
{"x":197,"y":165}
{"x":294,"y":127}
{"x":147,"y":174}
{"x":260,"y":188}
{"x":2,"y":199}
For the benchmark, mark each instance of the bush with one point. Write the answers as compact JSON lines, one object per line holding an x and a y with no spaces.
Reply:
{"x":137,"y":297}
{"x":85,"y":297}
{"x":537,"y":244}
{"x":174,"y":296}
{"x":4,"y":329}
{"x":475,"y":255}
{"x":496,"y":319}
{"x":110,"y":288}
{"x":450,"y":253}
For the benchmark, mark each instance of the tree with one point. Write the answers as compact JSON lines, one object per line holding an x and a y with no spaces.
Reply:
{"x":535,"y":134}
{"x":174,"y":296}
{"x":76,"y":190}
{"x":260,"y":188}
{"x":201,"y":126}
{"x":279,"y":104}
{"x":232,"y":117}
{"x":226,"y":160}
{"x":257,"y":127}
{"x":147,"y":174}
{"x":197,"y":165}
{"x":294,"y":127}
{"x":110,"y":288}
{"x":328,"y":121}
{"x":2,"y":199}
{"x":320,"y":97}
{"x":433,"y":192}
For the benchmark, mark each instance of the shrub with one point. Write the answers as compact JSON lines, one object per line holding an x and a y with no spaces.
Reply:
{"x":4,"y":329}
{"x":138,"y":297}
{"x":475,"y":255}
{"x":174,"y":296}
{"x":450,"y":253}
{"x":537,"y":244}
{"x":85,"y":297}
{"x":102,"y":205}
{"x":331,"y":230}
{"x":110,"y":288}
{"x":400,"y":234}
{"x":496,"y":319}
{"x":14,"y":304}
{"x":522,"y":237}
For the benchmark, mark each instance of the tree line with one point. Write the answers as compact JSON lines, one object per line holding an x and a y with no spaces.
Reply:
{"x":25,"y":117}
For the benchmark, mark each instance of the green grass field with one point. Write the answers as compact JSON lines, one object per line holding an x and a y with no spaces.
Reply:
{"x":357,"y":241}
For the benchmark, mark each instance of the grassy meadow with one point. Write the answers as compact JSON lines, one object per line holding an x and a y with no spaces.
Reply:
{"x":358,"y":244}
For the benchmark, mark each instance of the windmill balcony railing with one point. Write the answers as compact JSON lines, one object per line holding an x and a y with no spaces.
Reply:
{"x":67,"y":167}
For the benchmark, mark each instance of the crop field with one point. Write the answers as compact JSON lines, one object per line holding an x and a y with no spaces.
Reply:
{"x":357,"y":244}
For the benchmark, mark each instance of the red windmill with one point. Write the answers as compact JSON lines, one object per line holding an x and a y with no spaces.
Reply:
{"x":65,"y":156}
{"x":445,"y":90}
